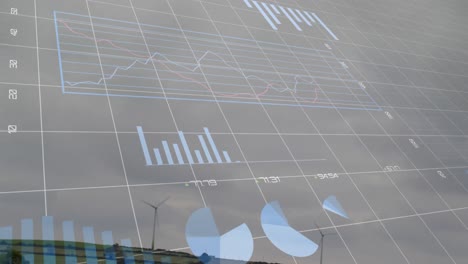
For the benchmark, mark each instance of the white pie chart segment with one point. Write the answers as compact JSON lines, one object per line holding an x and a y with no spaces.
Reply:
{"x":285,"y":238}
{"x":203,"y":237}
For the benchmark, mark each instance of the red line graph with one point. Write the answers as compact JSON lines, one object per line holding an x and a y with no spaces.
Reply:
{"x":267,"y":88}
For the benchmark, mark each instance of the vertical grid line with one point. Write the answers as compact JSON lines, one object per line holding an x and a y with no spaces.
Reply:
{"x":394,"y":184}
{"x":165,"y":97}
{"x":221,"y":110}
{"x":40,"y":109}
{"x":114,"y":124}
{"x":274,"y":125}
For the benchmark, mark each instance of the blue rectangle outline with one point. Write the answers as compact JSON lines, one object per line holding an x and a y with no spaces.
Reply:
{"x":331,"y":106}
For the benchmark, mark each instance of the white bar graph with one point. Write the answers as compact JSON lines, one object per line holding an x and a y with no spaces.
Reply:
{"x":271,"y":12}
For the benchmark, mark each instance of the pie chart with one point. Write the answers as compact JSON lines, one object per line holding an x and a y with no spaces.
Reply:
{"x":333,"y":205}
{"x":284,"y":237}
{"x":203,"y":238}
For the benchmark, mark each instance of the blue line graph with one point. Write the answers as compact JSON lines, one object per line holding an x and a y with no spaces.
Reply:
{"x":211,"y":68}
{"x":187,"y":151}
{"x":294,"y":16}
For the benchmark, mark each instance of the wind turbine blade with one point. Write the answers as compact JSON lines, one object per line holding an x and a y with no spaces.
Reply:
{"x":149,"y":204}
{"x":163,"y":201}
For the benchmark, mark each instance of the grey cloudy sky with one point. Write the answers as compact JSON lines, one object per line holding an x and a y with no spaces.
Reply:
{"x":383,"y":106}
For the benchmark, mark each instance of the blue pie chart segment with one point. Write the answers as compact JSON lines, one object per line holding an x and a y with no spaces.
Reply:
{"x":203,"y":237}
{"x":333,"y":205}
{"x":285,"y":238}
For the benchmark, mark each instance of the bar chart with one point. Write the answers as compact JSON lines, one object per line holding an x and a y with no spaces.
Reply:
{"x":74,"y":251}
{"x":272,"y":13}
{"x":181,"y":153}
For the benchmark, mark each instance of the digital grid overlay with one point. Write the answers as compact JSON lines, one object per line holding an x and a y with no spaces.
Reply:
{"x":434,"y":127}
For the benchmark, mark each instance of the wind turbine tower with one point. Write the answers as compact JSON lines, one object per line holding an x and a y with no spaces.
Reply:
{"x":155,"y":220}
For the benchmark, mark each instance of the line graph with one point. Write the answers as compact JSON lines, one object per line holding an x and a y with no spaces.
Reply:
{"x":199,"y":67}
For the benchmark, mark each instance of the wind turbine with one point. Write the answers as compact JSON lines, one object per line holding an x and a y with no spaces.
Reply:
{"x":322,"y":236}
{"x":330,"y":204}
{"x":155,"y":221}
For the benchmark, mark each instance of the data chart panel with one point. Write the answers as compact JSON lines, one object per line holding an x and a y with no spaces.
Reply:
{"x":233,"y":131}
{"x":190,"y":65}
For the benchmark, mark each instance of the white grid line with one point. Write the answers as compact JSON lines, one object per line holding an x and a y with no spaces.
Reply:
{"x":115,"y":127}
{"x":421,"y":175}
{"x":40,"y":109}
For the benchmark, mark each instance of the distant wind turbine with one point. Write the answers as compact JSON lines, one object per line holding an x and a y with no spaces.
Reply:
{"x":322,"y":236}
{"x":155,"y":221}
{"x":330,"y":204}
